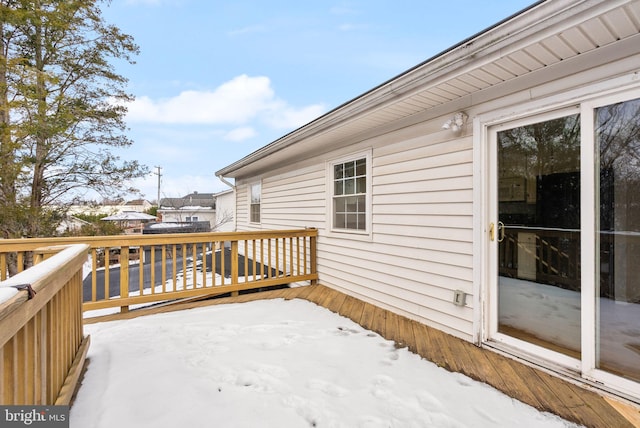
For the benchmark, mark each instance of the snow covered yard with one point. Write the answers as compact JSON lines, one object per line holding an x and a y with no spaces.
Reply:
{"x":275,"y":363}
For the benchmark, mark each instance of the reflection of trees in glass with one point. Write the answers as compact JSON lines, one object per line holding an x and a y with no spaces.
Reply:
{"x":618,"y":134}
{"x":541,"y":148}
{"x":544,"y":158}
{"x":618,"y":138}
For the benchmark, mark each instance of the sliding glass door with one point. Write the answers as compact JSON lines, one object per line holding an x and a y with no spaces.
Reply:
{"x":539,"y":233}
{"x":565,"y":238}
{"x":617,"y":138}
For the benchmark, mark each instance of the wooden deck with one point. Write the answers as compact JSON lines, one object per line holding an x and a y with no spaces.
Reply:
{"x":527,"y":384}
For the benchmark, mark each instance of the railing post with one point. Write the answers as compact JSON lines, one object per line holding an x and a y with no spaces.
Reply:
{"x":312,"y":256}
{"x":124,"y":276}
{"x":234,"y":265}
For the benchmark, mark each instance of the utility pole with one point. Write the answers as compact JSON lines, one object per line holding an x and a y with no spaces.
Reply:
{"x":159,"y":174}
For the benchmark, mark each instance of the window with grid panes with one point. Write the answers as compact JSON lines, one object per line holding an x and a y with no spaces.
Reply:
{"x":350,"y":195}
{"x":254,"y":205}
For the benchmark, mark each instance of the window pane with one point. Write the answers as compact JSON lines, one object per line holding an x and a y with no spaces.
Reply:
{"x":361,"y":167}
{"x":339,"y":221}
{"x":352,"y":221}
{"x":361,"y":185}
{"x":362,"y":221}
{"x":352,"y":204}
{"x":618,"y":141}
{"x":338,"y":171}
{"x":361,"y":203}
{"x":338,"y":187}
{"x":349,"y":169}
{"x":539,"y":253}
{"x":255,"y":193}
{"x":339,"y":204}
{"x":255,"y":213}
{"x":349,"y":186}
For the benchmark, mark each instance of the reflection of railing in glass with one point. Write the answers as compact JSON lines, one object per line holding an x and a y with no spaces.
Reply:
{"x":552,"y":258}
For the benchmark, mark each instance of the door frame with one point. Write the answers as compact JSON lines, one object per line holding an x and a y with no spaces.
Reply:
{"x":485,"y":126}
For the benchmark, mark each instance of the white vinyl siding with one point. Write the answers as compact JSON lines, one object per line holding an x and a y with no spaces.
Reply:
{"x":419,"y":245}
{"x":422,"y":232}
{"x":291,"y":199}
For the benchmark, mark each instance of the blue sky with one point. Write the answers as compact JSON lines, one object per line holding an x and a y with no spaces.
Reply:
{"x":217,"y":80}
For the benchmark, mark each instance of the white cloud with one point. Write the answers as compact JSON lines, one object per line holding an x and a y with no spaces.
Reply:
{"x":236,"y":102}
{"x":240,"y":134}
{"x":233,"y":102}
{"x":285,"y":117}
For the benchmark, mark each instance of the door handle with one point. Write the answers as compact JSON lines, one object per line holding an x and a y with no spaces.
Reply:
{"x":492,"y":230}
{"x":500,"y":231}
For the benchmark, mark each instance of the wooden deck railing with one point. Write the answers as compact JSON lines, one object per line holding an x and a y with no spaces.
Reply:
{"x":129,"y":270}
{"x":42,"y":348}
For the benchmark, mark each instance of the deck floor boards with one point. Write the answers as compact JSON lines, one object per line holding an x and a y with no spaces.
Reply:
{"x":523,"y":382}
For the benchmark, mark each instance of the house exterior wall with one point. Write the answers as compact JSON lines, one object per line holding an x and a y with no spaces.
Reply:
{"x":421,"y":241}
{"x":428,"y":197}
{"x":186,"y":214}
{"x":226,"y":212}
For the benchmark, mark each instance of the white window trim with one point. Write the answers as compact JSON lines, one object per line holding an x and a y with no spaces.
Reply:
{"x":350,"y":233}
{"x":249,"y":188}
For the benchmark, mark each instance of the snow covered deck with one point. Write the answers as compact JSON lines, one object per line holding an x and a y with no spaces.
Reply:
{"x":522,"y":382}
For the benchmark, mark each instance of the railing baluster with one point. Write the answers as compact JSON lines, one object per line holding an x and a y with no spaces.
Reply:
{"x":124,"y":276}
{"x":3,"y":267}
{"x":141,"y":270}
{"x":94,"y":276}
{"x":261,"y":262}
{"x":269,"y":270}
{"x":216,"y":245}
{"x":223,"y":265}
{"x":234,"y":262}
{"x":184,"y":266}
{"x":277,"y":246}
{"x":304,"y":255}
{"x":204,"y":264}
{"x":107,"y":252}
{"x":174,"y":267}
{"x":153,"y":268}
{"x":253,"y":258}
{"x":163,"y":275}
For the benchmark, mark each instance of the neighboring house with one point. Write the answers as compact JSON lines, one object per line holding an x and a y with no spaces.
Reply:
{"x":132,"y":222}
{"x":190,"y":208}
{"x":137,"y":205}
{"x":490,"y":191}
{"x":226,"y":211}
{"x":108,"y":207}
{"x":70,"y":224}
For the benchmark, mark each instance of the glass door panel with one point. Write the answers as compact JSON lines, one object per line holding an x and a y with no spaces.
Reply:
{"x":538,"y":168}
{"x":618,"y":269}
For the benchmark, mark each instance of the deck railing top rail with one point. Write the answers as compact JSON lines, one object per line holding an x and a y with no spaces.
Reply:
{"x":128,"y":270}
{"x":29,"y":244}
{"x":42,"y":346}
{"x":44,"y":278}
